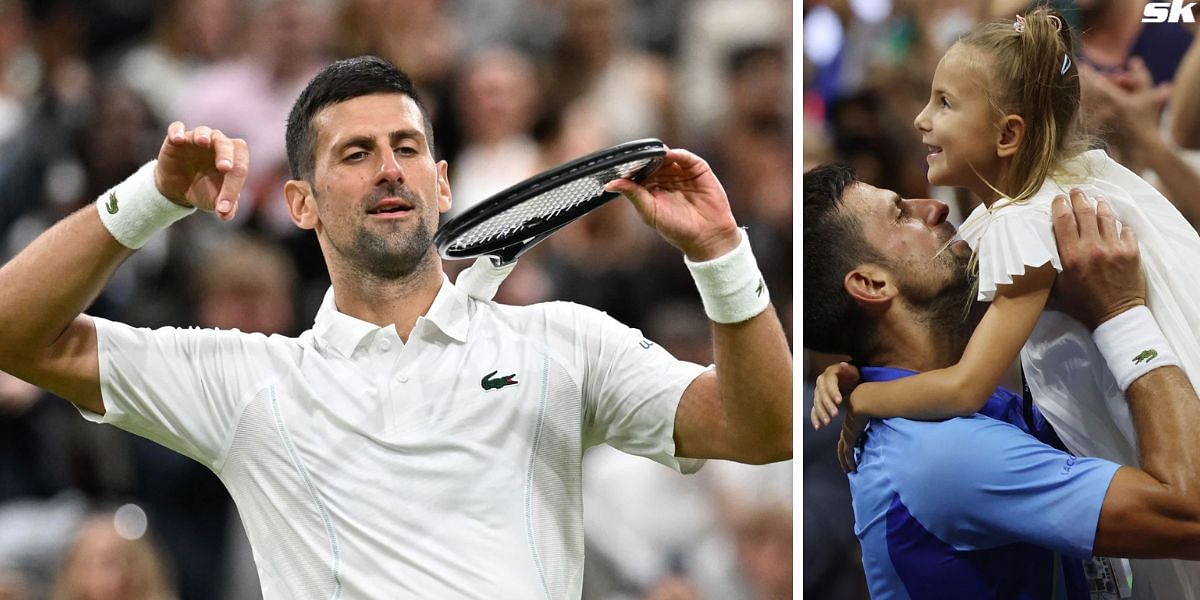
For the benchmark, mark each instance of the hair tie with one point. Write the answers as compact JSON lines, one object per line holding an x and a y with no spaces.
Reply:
{"x":1057,"y":23}
{"x":1019,"y":24}
{"x":1066,"y":64}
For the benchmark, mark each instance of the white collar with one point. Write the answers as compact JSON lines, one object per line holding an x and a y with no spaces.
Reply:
{"x":344,"y":332}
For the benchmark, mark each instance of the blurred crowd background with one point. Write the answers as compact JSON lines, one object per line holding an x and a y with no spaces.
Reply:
{"x":867,"y":67}
{"x":87,"y":88}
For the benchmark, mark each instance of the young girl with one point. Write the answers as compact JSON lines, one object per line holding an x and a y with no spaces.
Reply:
{"x":1003,"y":121}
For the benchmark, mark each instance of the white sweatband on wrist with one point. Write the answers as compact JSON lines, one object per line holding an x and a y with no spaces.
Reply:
{"x":134,"y":209}
{"x":1133,"y":345}
{"x":731,"y":286}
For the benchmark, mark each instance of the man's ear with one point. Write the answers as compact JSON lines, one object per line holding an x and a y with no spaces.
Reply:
{"x":444,"y":198}
{"x":1012,"y":133}
{"x":870,"y":286}
{"x":302,"y":206}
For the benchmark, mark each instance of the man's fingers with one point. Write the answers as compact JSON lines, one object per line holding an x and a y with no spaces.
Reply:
{"x":235,"y":178}
{"x":1066,"y":231}
{"x":202,"y":136}
{"x":642,"y":199}
{"x":1107,"y":220}
{"x":222,"y":152}
{"x":1085,"y":215}
{"x":175,"y":132}
{"x":1128,"y":237}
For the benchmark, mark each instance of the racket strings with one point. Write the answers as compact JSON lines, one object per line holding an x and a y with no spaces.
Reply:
{"x":545,"y":206}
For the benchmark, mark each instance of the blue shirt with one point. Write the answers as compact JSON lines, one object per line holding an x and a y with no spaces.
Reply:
{"x":973,"y":507}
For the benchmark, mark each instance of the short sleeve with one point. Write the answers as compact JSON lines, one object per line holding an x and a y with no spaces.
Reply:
{"x":631,"y":388}
{"x":1010,"y":238}
{"x":1005,"y":486}
{"x":182,"y":388}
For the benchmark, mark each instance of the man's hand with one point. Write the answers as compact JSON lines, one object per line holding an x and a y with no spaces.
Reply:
{"x":686,"y":204}
{"x":1102,"y":275}
{"x":203,"y":168}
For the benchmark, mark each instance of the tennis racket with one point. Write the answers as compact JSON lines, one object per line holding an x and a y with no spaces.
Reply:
{"x":511,"y":222}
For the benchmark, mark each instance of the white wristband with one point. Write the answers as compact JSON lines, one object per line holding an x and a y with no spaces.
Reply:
{"x":134,"y":209}
{"x":1133,"y":345}
{"x":731,"y":286}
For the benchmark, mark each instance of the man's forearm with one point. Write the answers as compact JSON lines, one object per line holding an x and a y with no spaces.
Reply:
{"x":1166,"y":414}
{"x":754,"y":375}
{"x":51,"y":281}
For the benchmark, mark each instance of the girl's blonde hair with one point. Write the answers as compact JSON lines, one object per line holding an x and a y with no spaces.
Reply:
{"x":1031,"y":72}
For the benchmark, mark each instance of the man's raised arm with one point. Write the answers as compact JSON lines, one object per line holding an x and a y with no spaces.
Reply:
{"x":1153,"y":512}
{"x":742,"y":410}
{"x":43,"y":337}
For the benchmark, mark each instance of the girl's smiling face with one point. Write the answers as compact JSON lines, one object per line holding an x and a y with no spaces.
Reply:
{"x":960,"y":125}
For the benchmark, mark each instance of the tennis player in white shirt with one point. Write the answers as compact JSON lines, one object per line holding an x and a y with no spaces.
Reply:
{"x":416,"y":442}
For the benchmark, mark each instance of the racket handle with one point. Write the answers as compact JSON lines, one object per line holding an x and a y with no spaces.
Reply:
{"x":482,"y":279}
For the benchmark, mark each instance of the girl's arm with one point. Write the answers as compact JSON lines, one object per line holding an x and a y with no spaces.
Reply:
{"x":964,"y":388}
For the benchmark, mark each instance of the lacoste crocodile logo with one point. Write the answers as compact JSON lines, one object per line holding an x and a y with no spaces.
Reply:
{"x":112,"y":203}
{"x":490,"y":382}
{"x":1145,"y":357}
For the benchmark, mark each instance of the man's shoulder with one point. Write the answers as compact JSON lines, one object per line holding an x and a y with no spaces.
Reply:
{"x":552,"y":312}
{"x":924,"y":452}
{"x":117,"y":332}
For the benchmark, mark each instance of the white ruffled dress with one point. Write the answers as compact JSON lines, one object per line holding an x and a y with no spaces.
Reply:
{"x":1067,"y":376}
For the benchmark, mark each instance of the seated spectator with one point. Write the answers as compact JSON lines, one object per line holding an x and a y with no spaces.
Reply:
{"x":104,"y":565}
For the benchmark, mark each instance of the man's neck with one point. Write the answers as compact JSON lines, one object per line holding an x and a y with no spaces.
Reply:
{"x":911,"y":343}
{"x":398,"y":302}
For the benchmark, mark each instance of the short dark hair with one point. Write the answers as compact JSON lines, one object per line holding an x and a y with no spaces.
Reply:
{"x":833,"y":245}
{"x":338,"y":82}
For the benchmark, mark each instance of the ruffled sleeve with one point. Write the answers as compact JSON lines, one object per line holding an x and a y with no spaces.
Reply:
{"x":1008,"y":239}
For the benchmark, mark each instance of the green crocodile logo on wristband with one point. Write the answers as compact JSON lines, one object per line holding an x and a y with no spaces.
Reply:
{"x":112,"y":203}
{"x":1145,"y":357}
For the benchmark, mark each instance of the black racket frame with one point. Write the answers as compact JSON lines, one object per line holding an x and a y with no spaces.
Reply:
{"x":506,"y":250}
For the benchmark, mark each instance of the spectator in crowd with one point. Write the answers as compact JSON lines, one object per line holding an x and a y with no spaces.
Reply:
{"x":19,"y":69}
{"x":1185,"y":102}
{"x":497,"y":104}
{"x":188,"y":36}
{"x":103,"y":564}
{"x":594,"y":62}
{"x":249,"y":97}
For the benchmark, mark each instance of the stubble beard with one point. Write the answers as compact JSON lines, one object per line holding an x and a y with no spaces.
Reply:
{"x":946,"y":308}
{"x":391,"y":255}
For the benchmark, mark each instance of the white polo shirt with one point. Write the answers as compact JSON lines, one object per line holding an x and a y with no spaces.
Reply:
{"x":366,"y":467}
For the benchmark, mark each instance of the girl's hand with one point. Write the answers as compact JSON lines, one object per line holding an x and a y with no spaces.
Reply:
{"x":835,"y":383}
